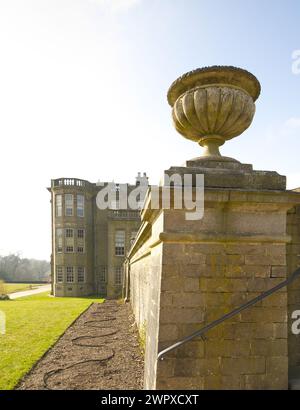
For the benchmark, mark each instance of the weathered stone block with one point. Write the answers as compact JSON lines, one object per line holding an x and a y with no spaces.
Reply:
{"x":227,"y":348}
{"x":276,"y":300}
{"x":168,"y":332}
{"x":245,"y":249}
{"x":241,"y":331}
{"x":166,"y":367}
{"x":257,"y":271}
{"x":266,"y":382}
{"x":198,"y":367}
{"x":238,"y":331}
{"x":181,"y":315}
{"x":260,"y":284}
{"x":223,"y":285}
{"x":220,"y":259}
{"x":265,"y":260}
{"x":191,"y":285}
{"x":217,"y":312}
{"x":280,"y":330}
{"x":212,"y":271}
{"x":277,"y":365}
{"x":278,"y":272}
{"x":243,"y":365}
{"x":274,"y":249}
{"x":191,"y":271}
{"x":204,"y":248}
{"x":214,"y":299}
{"x":173,"y":284}
{"x":269,"y":347}
{"x":193,"y":349}
{"x":274,"y":315}
{"x":166,"y":298}
{"x":193,"y":300}
{"x":224,"y":382}
{"x":180,"y":383}
{"x":234,"y":271}
{"x":263,"y":330}
{"x":264,"y":315}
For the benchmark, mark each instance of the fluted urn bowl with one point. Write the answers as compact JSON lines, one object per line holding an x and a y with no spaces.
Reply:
{"x":213,"y":104}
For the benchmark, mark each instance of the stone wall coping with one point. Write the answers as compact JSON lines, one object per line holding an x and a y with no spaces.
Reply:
{"x":174,"y":237}
{"x":204,"y":237}
{"x":284,"y":199}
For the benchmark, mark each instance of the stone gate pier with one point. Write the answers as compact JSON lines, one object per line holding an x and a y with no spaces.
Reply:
{"x":182,"y":274}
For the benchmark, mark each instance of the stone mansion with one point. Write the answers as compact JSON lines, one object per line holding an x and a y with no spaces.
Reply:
{"x":89,"y":244}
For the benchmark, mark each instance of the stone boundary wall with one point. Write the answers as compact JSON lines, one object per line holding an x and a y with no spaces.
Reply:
{"x":144,"y":272}
{"x":185,"y":274}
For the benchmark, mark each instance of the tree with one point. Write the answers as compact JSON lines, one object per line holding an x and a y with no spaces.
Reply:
{"x":14,"y":268}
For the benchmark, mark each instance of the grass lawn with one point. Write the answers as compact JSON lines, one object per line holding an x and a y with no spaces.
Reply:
{"x":17,"y":287}
{"x":33,"y":324}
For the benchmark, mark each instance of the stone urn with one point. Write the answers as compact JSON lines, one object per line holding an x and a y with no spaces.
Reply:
{"x":212,"y":105}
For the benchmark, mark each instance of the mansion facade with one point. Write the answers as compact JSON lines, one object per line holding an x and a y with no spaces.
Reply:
{"x":89,"y":244}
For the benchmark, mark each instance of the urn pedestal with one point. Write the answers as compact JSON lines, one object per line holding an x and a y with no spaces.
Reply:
{"x":185,"y":274}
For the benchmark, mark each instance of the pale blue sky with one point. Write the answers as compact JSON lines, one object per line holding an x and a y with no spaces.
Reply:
{"x":96,"y":72}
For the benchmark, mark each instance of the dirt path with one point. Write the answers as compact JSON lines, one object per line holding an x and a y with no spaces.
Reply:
{"x":99,"y":351}
{"x":22,"y":293}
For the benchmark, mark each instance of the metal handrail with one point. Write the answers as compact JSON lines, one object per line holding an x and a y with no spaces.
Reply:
{"x":227,"y":316}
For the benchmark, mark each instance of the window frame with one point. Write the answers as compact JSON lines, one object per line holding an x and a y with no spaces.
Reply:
{"x":67,"y":206}
{"x":102,"y":274}
{"x":71,"y":272}
{"x":120,"y":244}
{"x":80,"y":208}
{"x":59,"y":270}
{"x":119,"y":275}
{"x":83,"y":233}
{"x":59,"y":239}
{"x":70,"y":230}
{"x":81,"y":273}
{"x":58,"y":206}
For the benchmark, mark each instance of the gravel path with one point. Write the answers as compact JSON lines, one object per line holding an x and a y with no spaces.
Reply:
{"x":21,"y":294}
{"x":100,"y":351}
